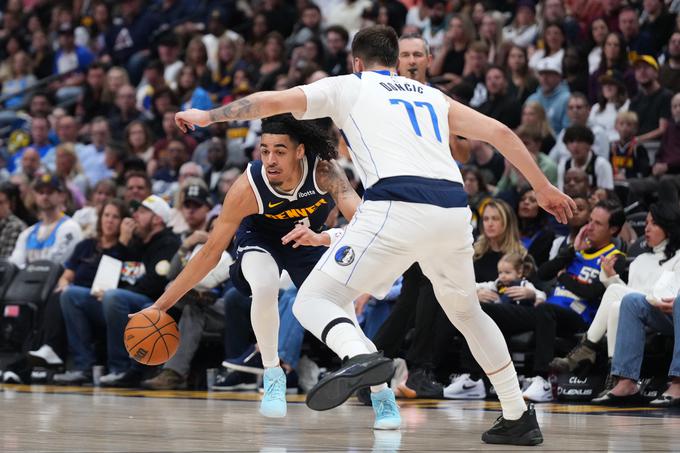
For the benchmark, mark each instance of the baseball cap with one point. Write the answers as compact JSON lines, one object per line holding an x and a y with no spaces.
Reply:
{"x":650,"y":60}
{"x":155,"y":204}
{"x":612,"y":76}
{"x":549,"y":65}
{"x":527,"y":4}
{"x":48,"y":180}
{"x":198,"y":194}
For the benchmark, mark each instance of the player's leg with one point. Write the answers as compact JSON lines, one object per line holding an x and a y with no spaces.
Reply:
{"x":262,"y":274}
{"x":322,"y":308}
{"x":452,"y":276}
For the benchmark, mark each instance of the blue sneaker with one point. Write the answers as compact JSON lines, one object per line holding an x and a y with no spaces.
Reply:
{"x":386,"y":410}
{"x":273,"y":402}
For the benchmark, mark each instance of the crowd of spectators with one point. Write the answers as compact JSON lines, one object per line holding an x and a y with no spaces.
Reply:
{"x":92,"y":165}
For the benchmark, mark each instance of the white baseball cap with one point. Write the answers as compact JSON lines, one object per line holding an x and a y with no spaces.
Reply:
{"x":157,"y":205}
{"x":549,"y":65}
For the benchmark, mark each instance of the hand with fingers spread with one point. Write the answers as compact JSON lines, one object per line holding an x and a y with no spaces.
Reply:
{"x":189,"y":119}
{"x":555,"y":202}
{"x":302,"y":235}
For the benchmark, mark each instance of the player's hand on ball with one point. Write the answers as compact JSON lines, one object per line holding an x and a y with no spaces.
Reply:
{"x":556,"y":203}
{"x":191,"y":118}
{"x":151,"y":308}
{"x":302,"y":235}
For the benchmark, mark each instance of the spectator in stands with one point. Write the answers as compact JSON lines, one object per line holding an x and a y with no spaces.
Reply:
{"x":40,"y":142}
{"x":636,"y":41}
{"x":101,"y":23}
{"x":652,"y":103}
{"x":552,"y":94}
{"x":42,"y":55}
{"x":611,"y":100}
{"x":92,"y":157}
{"x":196,"y":56}
{"x":449,"y":62}
{"x":513,"y":180}
{"x":533,"y":116}
{"x":536,"y":236}
{"x":82,"y":312}
{"x":11,"y":226}
{"x":152,"y":81}
{"x":666,"y":170}
{"x":629,"y":158}
{"x":137,"y":187}
{"x":87,"y":216}
{"x":579,"y":219}
{"x":40,"y":105}
{"x":523,"y":81}
{"x":554,"y":42}
{"x":598,"y":34}
{"x":491,"y":34}
{"x":168,"y":53}
{"x":201,"y":311}
{"x":272,"y":63}
{"x":190,"y":94}
{"x":500,"y":104}
{"x":498,"y":235}
{"x":92,"y":102}
{"x":524,"y":29}
{"x":308,"y":26}
{"x":229,"y":60}
{"x":21,"y":79}
{"x":139,"y":140}
{"x":30,"y":166}
{"x":669,"y":74}
{"x":657,"y":23}
{"x":337,"y":39}
{"x":147,"y":263}
{"x":55,"y":235}
{"x":71,"y":60}
{"x":487,"y":160}
{"x":124,"y":111}
{"x":578,"y":111}
{"x":217,"y":158}
{"x":614,"y":58}
{"x":579,"y":141}
{"x":662,"y":235}
{"x":69,"y":171}
{"x":127,"y":42}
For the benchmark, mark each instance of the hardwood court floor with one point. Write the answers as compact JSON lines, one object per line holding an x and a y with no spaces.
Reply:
{"x":75,"y":419}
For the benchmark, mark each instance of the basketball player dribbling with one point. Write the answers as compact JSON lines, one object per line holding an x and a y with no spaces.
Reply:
{"x":414,"y":209}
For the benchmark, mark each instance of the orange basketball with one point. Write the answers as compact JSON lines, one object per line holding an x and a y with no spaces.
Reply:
{"x":151,"y":337}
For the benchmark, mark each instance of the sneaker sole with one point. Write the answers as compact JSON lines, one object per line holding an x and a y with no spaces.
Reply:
{"x":331,"y":393}
{"x":243,"y":368}
{"x":465,"y":397}
{"x":530,"y":438}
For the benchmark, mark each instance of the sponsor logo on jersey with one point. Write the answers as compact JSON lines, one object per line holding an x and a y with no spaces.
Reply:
{"x":344,"y":256}
{"x":296,"y":213}
{"x":309,"y":193}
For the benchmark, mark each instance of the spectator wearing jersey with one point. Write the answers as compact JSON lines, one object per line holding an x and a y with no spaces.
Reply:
{"x":579,"y":141}
{"x":55,"y":236}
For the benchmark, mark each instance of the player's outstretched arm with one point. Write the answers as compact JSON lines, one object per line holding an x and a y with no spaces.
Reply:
{"x":332,"y":179}
{"x":238,"y":203}
{"x":257,"y":105}
{"x":471,"y":124}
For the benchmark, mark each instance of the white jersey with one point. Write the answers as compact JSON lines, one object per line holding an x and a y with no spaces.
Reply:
{"x":393,"y":126}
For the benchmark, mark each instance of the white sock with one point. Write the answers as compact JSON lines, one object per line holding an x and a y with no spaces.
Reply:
{"x":344,"y":340}
{"x":510,"y":395}
{"x":378,"y":388}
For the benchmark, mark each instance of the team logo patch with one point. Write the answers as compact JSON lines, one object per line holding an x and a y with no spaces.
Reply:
{"x":344,"y":256}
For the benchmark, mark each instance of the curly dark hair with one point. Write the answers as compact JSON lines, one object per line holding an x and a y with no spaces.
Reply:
{"x":313,"y":134}
{"x":667,"y":217}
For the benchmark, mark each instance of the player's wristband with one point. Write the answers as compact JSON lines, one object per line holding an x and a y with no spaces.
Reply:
{"x":335,"y":235}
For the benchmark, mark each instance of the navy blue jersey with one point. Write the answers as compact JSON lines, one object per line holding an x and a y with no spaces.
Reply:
{"x":278,"y":213}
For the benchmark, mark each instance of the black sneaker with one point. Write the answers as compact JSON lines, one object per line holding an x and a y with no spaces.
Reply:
{"x":129,"y":379}
{"x":364,"y":396}
{"x":423,"y":385}
{"x":359,"y":371}
{"x":523,"y":431}
{"x":230,"y":380}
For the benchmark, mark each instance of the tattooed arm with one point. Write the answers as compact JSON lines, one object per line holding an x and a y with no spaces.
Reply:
{"x":332,"y":179}
{"x":257,"y":105}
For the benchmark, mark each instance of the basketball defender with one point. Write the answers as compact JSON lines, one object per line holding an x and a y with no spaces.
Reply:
{"x":414,"y":209}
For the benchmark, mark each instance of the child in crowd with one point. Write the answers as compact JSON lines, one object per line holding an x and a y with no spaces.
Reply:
{"x":629,"y":158}
{"x":511,"y":284}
